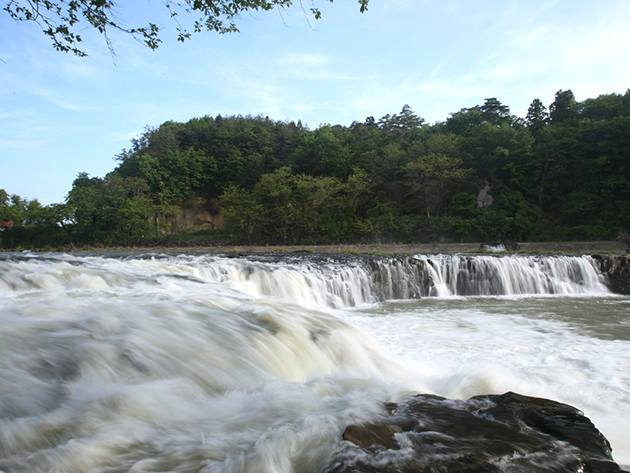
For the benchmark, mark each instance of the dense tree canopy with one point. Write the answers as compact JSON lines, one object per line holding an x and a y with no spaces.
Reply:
{"x":63,"y":21}
{"x":483,"y":174}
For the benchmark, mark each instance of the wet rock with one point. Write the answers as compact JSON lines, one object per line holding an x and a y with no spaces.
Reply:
{"x":493,"y":433}
{"x":617,"y":271}
{"x":374,"y":437}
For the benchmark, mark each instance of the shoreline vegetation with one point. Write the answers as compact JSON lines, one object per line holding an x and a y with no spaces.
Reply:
{"x":375,"y":249}
{"x":560,"y":174}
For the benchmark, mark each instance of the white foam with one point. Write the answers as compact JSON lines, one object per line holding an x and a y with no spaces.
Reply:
{"x":219,"y":364}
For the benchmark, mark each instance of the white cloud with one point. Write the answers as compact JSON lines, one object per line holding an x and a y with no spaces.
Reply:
{"x":7,"y":115}
{"x":402,"y":4}
{"x":610,"y":48}
{"x":309,"y":66}
{"x":126,"y":137}
{"x":19,"y":144}
{"x":437,"y":56}
{"x":58,"y":99}
{"x":534,"y":38}
{"x":305,"y":107}
{"x":506,"y":71}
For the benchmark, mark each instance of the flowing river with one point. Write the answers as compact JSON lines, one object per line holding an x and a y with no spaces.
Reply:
{"x":206,"y":363}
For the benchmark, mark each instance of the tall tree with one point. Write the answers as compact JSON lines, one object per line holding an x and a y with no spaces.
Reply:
{"x":537,"y":116}
{"x":494,"y":111}
{"x":5,"y":213}
{"x":563,"y":107}
{"x":401,"y":125}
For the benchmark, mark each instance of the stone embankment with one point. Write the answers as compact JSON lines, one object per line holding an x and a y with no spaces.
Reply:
{"x":545,"y":247}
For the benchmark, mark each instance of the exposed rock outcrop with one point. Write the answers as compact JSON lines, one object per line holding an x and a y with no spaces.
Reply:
{"x":198,"y":214}
{"x":493,"y":433}
{"x":484,"y":199}
{"x":617,"y":271}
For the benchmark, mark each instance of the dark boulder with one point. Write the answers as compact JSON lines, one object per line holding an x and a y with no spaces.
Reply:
{"x":493,"y":433}
{"x":616,"y":268}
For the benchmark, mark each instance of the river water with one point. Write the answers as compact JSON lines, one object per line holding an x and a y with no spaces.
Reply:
{"x":205,"y":363}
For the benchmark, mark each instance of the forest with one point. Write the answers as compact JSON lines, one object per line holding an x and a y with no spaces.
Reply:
{"x":483,"y":174}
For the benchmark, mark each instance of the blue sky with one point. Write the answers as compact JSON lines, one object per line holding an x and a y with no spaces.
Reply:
{"x":61,"y":115}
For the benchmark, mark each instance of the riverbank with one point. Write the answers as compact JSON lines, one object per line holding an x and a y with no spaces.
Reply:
{"x":551,"y":247}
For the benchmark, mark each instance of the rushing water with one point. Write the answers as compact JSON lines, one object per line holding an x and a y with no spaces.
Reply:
{"x":198,"y":363}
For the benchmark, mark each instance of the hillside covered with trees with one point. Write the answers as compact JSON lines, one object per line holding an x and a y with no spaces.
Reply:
{"x":483,"y":174}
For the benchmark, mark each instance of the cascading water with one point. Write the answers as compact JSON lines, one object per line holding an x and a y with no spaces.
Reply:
{"x":485,"y":275}
{"x":337,"y":282}
{"x":346,"y":282}
{"x":204,"y":363}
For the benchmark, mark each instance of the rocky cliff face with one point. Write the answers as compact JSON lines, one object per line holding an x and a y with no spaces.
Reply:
{"x":617,"y":271}
{"x":198,"y":214}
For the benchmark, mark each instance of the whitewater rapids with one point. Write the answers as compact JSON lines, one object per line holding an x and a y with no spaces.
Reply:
{"x":198,"y":363}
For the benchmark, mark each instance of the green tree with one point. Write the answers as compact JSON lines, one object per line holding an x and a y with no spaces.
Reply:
{"x":387,"y":172}
{"x":242,"y":212}
{"x":537,"y":117}
{"x":115,"y":209}
{"x":63,"y":21}
{"x":491,"y":150}
{"x":563,"y":107}
{"x":5,"y":213}
{"x":461,"y":220}
{"x":345,"y":216}
{"x":494,"y":111}
{"x":606,"y":106}
{"x":287,"y":208}
{"x":320,"y":152}
{"x":403,"y":126}
{"x":186,"y":171}
{"x":438,"y":174}
{"x":464,"y":122}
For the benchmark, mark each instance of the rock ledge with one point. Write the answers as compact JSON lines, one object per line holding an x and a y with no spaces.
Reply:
{"x":493,"y":433}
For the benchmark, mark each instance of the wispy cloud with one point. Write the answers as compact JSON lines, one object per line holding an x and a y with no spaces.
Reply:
{"x":437,"y":56}
{"x":506,"y":71}
{"x":310,"y":66}
{"x":7,"y":115}
{"x":19,"y":144}
{"x":61,"y":100}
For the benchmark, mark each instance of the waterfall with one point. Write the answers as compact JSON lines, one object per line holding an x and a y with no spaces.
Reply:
{"x":487,"y":275}
{"x":225,"y":363}
{"x":345,"y":281}
{"x":335,"y":281}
